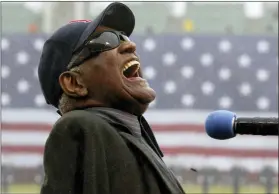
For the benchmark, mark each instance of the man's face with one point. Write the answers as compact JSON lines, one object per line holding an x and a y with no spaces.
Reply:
{"x":114,"y":79}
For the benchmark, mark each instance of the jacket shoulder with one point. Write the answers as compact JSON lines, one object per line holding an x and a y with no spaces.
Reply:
{"x":80,"y":116}
{"x":78,"y":119}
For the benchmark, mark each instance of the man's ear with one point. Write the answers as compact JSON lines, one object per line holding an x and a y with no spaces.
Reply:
{"x":72,"y":84}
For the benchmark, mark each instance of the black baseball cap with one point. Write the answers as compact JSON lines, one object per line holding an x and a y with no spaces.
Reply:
{"x":59,"y":49}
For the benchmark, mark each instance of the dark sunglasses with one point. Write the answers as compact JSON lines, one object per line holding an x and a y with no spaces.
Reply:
{"x":100,"y":42}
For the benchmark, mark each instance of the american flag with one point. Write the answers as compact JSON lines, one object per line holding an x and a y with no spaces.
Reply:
{"x":192,"y":75}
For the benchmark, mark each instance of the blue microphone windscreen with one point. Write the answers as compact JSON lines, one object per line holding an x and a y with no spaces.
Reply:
{"x":219,"y":124}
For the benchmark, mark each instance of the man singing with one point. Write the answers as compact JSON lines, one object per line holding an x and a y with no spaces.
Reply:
{"x":102,"y":144}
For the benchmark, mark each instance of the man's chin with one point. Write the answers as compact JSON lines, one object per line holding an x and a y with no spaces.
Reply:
{"x":143,"y":104}
{"x":135,"y":108}
{"x":141,"y":101}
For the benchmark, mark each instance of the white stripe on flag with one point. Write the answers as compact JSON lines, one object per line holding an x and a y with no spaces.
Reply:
{"x":165,"y":139}
{"x":188,"y":161}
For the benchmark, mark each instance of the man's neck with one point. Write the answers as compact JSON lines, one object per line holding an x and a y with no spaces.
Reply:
{"x":90,"y":103}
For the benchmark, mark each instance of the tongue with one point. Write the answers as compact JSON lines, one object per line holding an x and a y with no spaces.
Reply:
{"x":131,"y":72}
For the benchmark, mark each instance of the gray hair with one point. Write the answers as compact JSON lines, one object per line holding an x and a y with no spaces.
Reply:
{"x":67,"y":103}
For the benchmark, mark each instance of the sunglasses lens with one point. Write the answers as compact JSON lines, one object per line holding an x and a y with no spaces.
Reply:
{"x":105,"y":41}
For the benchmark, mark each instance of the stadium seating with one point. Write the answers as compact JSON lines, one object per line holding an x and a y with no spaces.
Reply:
{"x":154,"y":17}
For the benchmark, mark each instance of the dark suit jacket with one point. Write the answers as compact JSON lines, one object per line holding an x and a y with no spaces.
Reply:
{"x":86,"y":154}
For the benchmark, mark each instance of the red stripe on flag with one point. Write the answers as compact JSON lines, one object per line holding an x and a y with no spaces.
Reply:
{"x":22,"y":149}
{"x":26,"y":127}
{"x":178,"y":128}
{"x":171,"y":151}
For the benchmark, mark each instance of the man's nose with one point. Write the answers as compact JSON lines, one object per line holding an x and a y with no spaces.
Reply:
{"x":127,"y":47}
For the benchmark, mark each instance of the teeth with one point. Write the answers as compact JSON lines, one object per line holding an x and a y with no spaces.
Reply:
{"x":131,"y":63}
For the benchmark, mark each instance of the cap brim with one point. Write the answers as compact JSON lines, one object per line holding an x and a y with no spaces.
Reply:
{"x":116,"y":16}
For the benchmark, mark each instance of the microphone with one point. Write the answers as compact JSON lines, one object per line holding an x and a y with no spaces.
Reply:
{"x":224,"y":124}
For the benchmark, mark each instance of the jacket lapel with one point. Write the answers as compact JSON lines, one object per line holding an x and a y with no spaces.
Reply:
{"x":149,"y":136}
{"x":155,"y":160}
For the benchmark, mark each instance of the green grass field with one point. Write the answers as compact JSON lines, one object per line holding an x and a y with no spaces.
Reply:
{"x":32,"y":189}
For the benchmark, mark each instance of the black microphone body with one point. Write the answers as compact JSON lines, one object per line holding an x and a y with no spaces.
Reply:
{"x":256,"y":126}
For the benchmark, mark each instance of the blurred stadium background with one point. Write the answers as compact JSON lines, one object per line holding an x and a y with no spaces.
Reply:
{"x":198,"y":56}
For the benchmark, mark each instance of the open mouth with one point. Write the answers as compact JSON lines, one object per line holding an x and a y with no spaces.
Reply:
{"x":131,"y":69}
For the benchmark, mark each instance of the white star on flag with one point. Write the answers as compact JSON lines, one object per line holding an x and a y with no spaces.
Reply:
{"x":225,"y":46}
{"x":263,"y":103}
{"x":224,"y":74}
{"x":149,"y":72}
{"x":244,"y":61}
{"x":5,"y":44}
{"x":188,"y":100}
{"x":23,"y":86}
{"x":262,"y":75}
{"x":170,"y":87}
{"x":263,"y":46}
{"x":206,"y":59}
{"x":245,"y":89}
{"x":5,"y":72}
{"x":187,"y":72}
{"x":187,"y":43}
{"x":169,"y":59}
{"x":5,"y":99}
{"x":38,"y":44}
{"x":22,"y":58}
{"x":39,"y":100}
{"x":225,"y":102}
{"x":149,"y":44}
{"x":207,"y":88}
